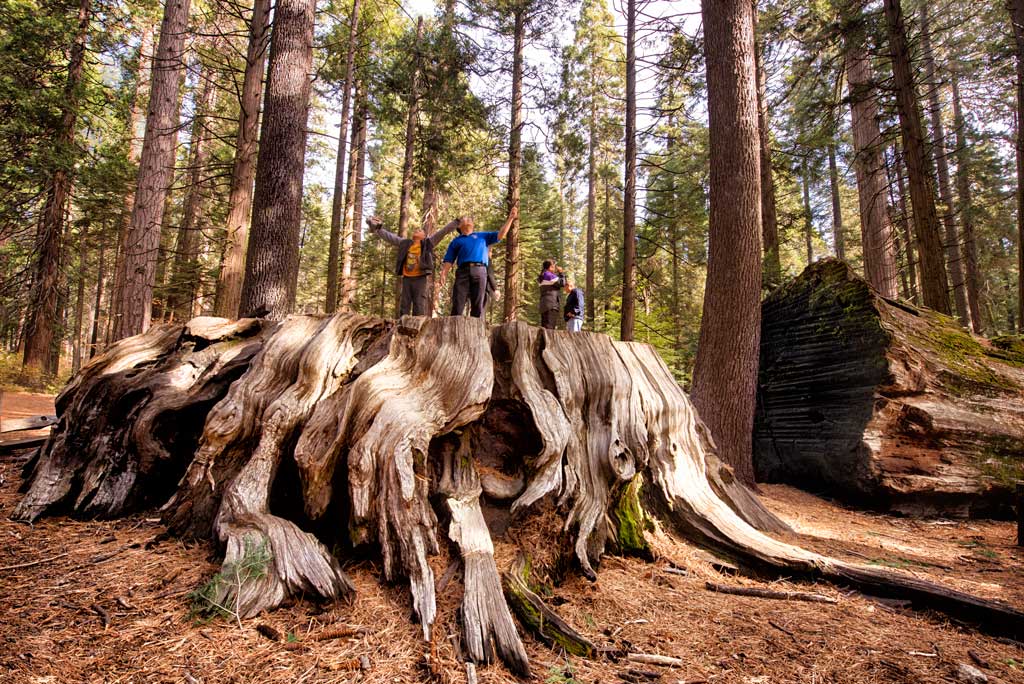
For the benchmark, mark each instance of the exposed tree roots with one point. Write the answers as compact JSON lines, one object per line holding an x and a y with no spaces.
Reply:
{"x":295,"y":444}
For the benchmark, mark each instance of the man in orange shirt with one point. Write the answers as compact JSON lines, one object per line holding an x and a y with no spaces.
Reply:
{"x":414,"y":263}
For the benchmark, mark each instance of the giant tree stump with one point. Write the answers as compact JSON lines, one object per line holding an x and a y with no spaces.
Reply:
{"x":885,"y":404}
{"x":296,"y":444}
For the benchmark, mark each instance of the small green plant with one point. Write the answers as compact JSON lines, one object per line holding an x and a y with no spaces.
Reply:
{"x":291,"y":638}
{"x":208,"y":601}
{"x":562,"y":675}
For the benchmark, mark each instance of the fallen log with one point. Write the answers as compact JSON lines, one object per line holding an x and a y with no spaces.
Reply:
{"x":316,"y":439}
{"x":769,"y":593}
{"x":883,"y":404}
{"x":30,"y":423}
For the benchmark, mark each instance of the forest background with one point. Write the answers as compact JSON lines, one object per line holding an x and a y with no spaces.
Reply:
{"x":426,"y":134}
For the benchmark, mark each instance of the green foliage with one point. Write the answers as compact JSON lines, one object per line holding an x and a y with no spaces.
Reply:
{"x":207,"y":602}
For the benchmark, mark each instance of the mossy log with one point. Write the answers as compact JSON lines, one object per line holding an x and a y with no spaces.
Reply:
{"x":301,"y":444}
{"x":884,"y":404}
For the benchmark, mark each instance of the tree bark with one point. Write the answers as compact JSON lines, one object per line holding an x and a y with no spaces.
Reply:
{"x":869,"y":164}
{"x":156,"y":170}
{"x":837,"y":208}
{"x":908,"y":237}
{"x":136,"y":133}
{"x":357,"y":214}
{"x":730,"y":325}
{"x":100,"y":276}
{"x":513,"y":277}
{"x":805,"y":182}
{"x":769,"y":221}
{"x":411,"y":122}
{"x":181,"y":292}
{"x":243,"y":171}
{"x":338,"y":205}
{"x":591,"y":206}
{"x":1016,"y":8}
{"x":349,"y":226}
{"x":934,"y":285}
{"x":42,"y":313}
{"x":966,"y":210}
{"x":629,"y":197}
{"x":954,"y":263}
{"x":272,"y":262}
{"x":77,"y":341}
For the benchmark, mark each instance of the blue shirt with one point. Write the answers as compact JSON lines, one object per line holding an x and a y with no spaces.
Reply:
{"x":473,"y":247}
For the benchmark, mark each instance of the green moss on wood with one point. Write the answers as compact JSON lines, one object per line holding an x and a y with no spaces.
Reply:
{"x":631,"y":520}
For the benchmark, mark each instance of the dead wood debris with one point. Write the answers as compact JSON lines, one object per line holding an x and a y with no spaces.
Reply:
{"x":770,"y":593}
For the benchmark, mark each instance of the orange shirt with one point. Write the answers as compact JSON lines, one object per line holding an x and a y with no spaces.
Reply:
{"x":412,"y":266}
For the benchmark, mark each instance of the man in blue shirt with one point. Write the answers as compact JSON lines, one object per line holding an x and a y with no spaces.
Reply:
{"x":469,"y":253}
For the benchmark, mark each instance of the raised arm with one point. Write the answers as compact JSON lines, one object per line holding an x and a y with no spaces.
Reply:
{"x":508,"y":222}
{"x":377,"y":226}
{"x":452,"y":225}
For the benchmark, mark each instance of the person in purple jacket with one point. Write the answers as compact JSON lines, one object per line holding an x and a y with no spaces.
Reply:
{"x":551,"y":283}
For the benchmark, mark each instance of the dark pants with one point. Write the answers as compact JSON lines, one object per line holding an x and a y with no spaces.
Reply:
{"x":414,"y":296}
{"x":549,"y":319}
{"x":471,"y":286}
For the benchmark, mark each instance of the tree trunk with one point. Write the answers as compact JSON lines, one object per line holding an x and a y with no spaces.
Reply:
{"x":837,"y":208}
{"x":338,"y":205}
{"x":46,"y":276}
{"x":908,"y":237}
{"x":268,"y":425}
{"x":869,"y":164}
{"x":885,"y":404}
{"x":628,"y":306}
{"x":181,"y":292}
{"x":100,"y":275}
{"x":772,"y":275}
{"x":243,"y":171}
{"x":410,"y":138}
{"x":805,"y":181}
{"x":966,"y":210}
{"x":513,"y":277}
{"x":349,"y":227}
{"x":77,"y":341}
{"x":934,"y":287}
{"x":1016,"y":8}
{"x":591,"y":208}
{"x":136,"y":132}
{"x":730,"y":324}
{"x":272,"y":262}
{"x":357,"y":211}
{"x":954,"y":263}
{"x":156,"y":170}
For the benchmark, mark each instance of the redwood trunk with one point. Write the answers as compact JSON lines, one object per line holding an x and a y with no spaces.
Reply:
{"x":869,"y":163}
{"x":769,"y":221}
{"x":629,"y":197}
{"x":181,"y":295}
{"x":100,"y":276}
{"x":272,"y":264}
{"x":243,"y":172}
{"x":515,"y":169}
{"x":837,"y":208}
{"x":1016,"y":8}
{"x":156,"y":170}
{"x":42,"y":314}
{"x":954,"y":263}
{"x":805,"y":181}
{"x":349,"y":226}
{"x":405,"y":202}
{"x":934,"y":285}
{"x":591,"y":208}
{"x":727,"y":351}
{"x":339,"y":203}
{"x":908,"y":237}
{"x":966,"y":210}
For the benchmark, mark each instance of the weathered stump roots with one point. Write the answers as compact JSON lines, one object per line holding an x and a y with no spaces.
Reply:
{"x":297,"y":443}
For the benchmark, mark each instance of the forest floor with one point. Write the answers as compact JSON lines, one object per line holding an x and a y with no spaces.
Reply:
{"x":107,"y":601}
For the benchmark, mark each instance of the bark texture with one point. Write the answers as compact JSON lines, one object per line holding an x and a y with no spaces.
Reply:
{"x":730,"y":326}
{"x":1016,"y":8}
{"x":513,"y":275}
{"x":883,"y":403}
{"x":133,"y":311}
{"x":243,"y":172}
{"x":272,"y":262}
{"x":934,"y":284}
{"x":629,"y":193}
{"x":869,"y":164}
{"x":286,"y":440}
{"x":966,"y":209}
